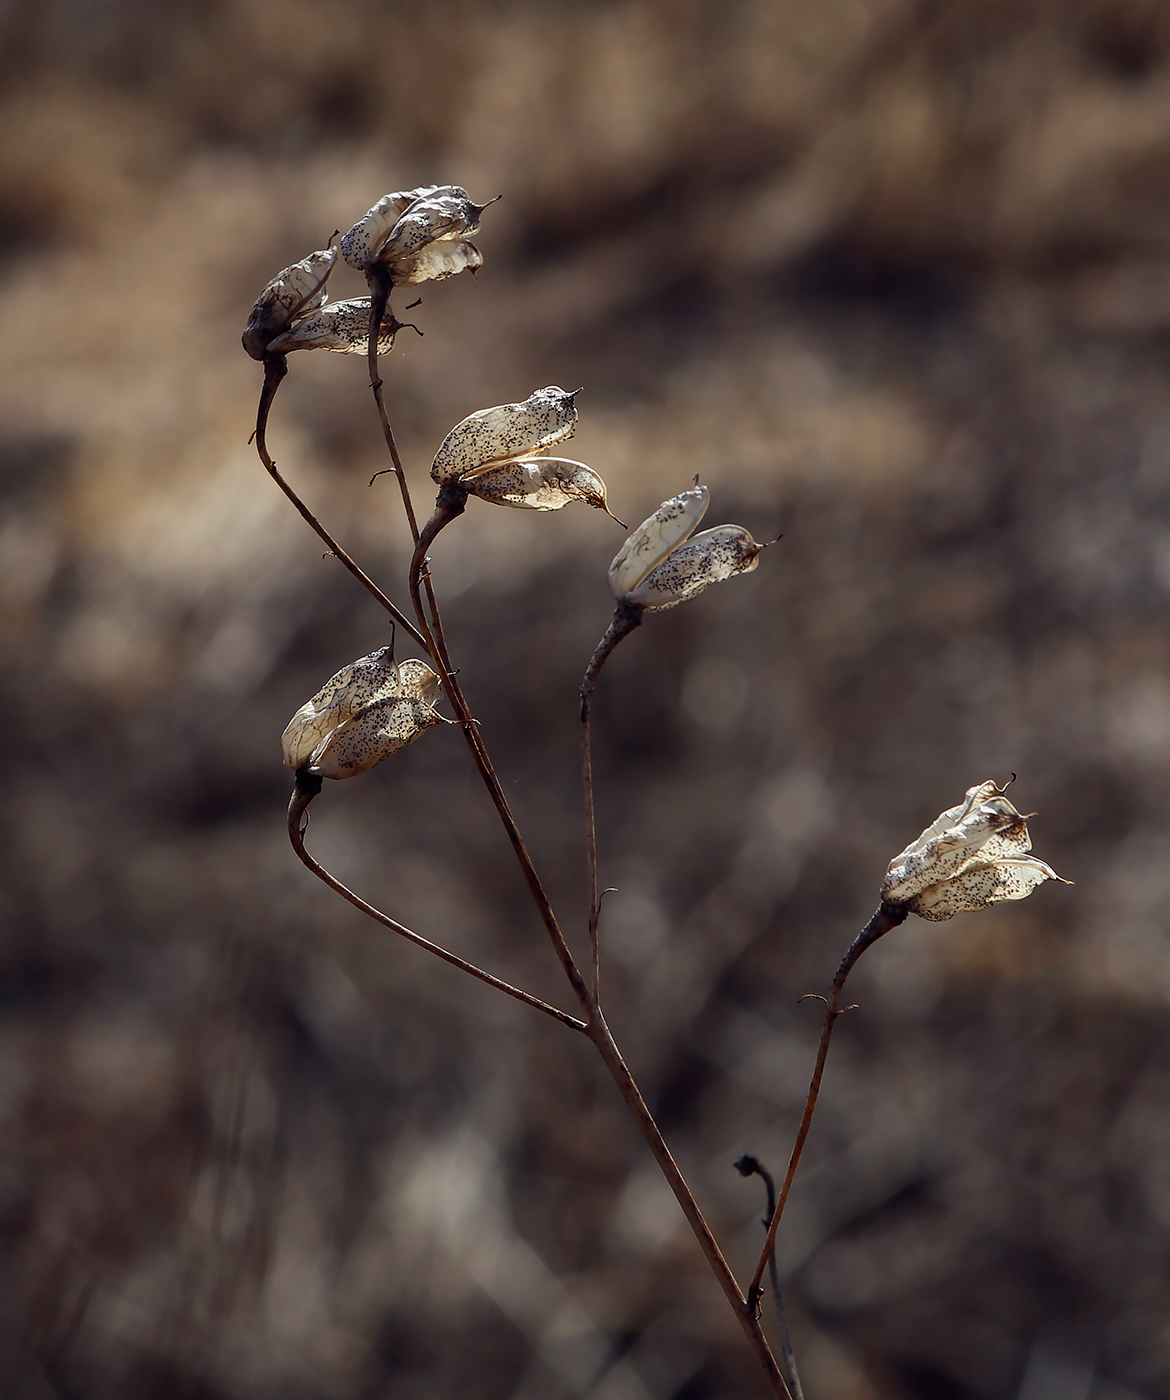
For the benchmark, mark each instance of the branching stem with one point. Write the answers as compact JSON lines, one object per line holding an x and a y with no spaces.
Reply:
{"x":275,"y":368}
{"x":888,"y":916}
{"x":307,"y":787}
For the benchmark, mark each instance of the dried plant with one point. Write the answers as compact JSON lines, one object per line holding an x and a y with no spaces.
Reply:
{"x":972,"y":856}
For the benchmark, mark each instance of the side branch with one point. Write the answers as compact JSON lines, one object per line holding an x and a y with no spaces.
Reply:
{"x":307,"y":787}
{"x":626,"y":617}
{"x":888,"y":916}
{"x":275,"y":368}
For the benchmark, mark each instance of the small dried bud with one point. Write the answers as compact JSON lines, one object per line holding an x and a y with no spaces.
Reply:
{"x":291,"y":293}
{"x":366,"y":712}
{"x":653,"y":540}
{"x":659,"y":567}
{"x":540,"y":483}
{"x":341,"y":326}
{"x":504,"y":433}
{"x":402,"y":226}
{"x":973,"y":856}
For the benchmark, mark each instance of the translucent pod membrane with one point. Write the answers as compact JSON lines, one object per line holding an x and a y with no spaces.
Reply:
{"x":369,"y":710}
{"x":539,"y":483}
{"x":706,"y":558}
{"x":340,"y":326}
{"x":653,"y":540}
{"x":401,"y":225}
{"x":506,"y":432}
{"x":293,"y":293}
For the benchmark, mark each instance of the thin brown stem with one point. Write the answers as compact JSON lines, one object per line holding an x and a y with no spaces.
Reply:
{"x":275,"y":368}
{"x":888,"y":916}
{"x":600,"y":1034}
{"x":626,"y":617}
{"x":378,"y":278}
{"x":746,"y":1166}
{"x":307,"y":787}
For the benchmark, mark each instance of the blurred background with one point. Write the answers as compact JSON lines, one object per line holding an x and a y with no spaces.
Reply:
{"x":894,"y":277}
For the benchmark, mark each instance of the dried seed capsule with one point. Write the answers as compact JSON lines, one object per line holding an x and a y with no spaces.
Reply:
{"x":362,"y":244}
{"x":653,"y":540}
{"x":540,"y":483}
{"x":448,"y":213}
{"x":341,"y":326}
{"x":291,"y":294}
{"x":972,"y":856}
{"x":503,"y":433}
{"x":402,"y":228}
{"x":436,"y":262}
{"x":366,"y":712}
{"x":706,"y":558}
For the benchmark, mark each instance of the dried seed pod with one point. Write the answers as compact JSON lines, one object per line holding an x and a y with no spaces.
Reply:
{"x":448,"y":213}
{"x":362,"y":244}
{"x":653,"y":540}
{"x":436,"y":262}
{"x":706,"y":558}
{"x":972,"y":856}
{"x":341,"y":326}
{"x":540,"y":483}
{"x":292,"y":293}
{"x":504,"y":433}
{"x":368,"y":711}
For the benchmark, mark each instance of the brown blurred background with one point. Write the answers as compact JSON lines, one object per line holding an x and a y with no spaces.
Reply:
{"x":894,"y":276}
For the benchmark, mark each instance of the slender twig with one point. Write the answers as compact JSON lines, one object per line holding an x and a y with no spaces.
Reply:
{"x":378,"y":278}
{"x":626,"y":617}
{"x":307,"y":787}
{"x":888,"y":916}
{"x":275,"y":368}
{"x":748,"y":1165}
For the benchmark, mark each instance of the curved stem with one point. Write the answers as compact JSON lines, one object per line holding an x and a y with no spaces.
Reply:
{"x":746,"y":1166}
{"x":307,"y":787}
{"x":275,"y":368}
{"x":888,"y":916}
{"x":626,"y":617}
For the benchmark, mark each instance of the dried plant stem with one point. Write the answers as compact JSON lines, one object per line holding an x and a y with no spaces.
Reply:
{"x":626,"y":617}
{"x":307,"y":787}
{"x":748,"y":1165}
{"x":275,"y":368}
{"x":888,"y":916}
{"x":378,"y":279}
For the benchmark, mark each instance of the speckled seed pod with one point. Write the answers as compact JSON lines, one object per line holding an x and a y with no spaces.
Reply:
{"x":367,"y":712}
{"x":291,"y":293}
{"x":363,"y":682}
{"x":707,"y":558}
{"x":362,"y":244}
{"x":648,"y":545}
{"x":503,"y":433}
{"x":448,"y":213}
{"x":540,"y":483}
{"x":341,"y":326}
{"x":980,"y":886}
{"x":436,"y":262}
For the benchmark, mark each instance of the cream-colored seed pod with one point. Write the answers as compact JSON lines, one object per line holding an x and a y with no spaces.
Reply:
{"x":362,"y":244}
{"x":368,"y":711}
{"x":436,"y":262}
{"x":706,"y":558}
{"x":648,"y":545}
{"x":340,"y":326}
{"x":972,"y":856}
{"x":448,"y":213}
{"x":291,"y":294}
{"x":504,"y":433}
{"x":540,"y":483}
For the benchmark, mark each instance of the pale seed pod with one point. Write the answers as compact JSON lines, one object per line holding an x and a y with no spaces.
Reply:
{"x":436,"y":262}
{"x":540,"y":483}
{"x":362,"y":244}
{"x":508,"y":431}
{"x":366,"y":712}
{"x":706,"y":558}
{"x":448,"y":213}
{"x":653,"y":540}
{"x":341,"y":326}
{"x":981,"y":886}
{"x":972,"y":856}
{"x":292,"y":293}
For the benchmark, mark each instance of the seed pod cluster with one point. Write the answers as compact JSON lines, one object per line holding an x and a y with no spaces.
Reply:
{"x":369,"y":710}
{"x":504,"y":433}
{"x":419,"y":235}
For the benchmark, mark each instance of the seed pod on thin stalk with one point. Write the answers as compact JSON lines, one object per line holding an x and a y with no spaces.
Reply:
{"x":292,"y":293}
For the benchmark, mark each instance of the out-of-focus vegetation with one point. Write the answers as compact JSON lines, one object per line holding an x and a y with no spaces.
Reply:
{"x":895,"y":279}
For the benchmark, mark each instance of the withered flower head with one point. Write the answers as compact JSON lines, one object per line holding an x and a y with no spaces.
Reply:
{"x":662,"y":564}
{"x":417,"y":234}
{"x":291,"y":295}
{"x":369,"y":710}
{"x":971,"y":857}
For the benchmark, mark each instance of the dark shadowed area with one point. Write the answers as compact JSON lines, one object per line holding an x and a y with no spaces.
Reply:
{"x":894,"y":277}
